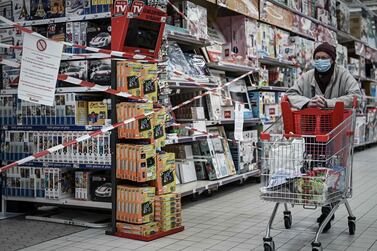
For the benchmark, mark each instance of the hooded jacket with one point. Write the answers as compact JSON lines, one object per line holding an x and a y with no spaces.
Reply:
{"x":342,"y":88}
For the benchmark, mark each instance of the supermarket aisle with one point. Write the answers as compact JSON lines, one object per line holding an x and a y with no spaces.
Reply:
{"x":236,"y":220}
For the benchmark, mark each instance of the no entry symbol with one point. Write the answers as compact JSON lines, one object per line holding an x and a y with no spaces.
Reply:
{"x":41,"y":45}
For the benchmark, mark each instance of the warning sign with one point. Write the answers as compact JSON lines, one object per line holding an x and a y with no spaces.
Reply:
{"x":39,"y":69}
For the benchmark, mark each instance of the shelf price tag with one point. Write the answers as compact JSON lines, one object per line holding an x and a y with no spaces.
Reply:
{"x":238,"y":120}
{"x":39,"y":69}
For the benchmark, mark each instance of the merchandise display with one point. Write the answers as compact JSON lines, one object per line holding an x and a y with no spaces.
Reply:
{"x":156,"y":100}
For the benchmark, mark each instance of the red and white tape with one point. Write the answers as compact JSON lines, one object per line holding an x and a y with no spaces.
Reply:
{"x":107,"y":129}
{"x":88,"y":48}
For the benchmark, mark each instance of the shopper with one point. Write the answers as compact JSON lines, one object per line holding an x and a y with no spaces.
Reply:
{"x":322,"y":87}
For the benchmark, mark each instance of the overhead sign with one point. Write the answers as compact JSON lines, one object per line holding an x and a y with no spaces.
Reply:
{"x":39,"y":69}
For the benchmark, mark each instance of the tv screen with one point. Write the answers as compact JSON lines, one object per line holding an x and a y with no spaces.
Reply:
{"x":142,"y":34}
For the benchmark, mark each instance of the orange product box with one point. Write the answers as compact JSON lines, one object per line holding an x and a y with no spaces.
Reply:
{"x":165,"y":174}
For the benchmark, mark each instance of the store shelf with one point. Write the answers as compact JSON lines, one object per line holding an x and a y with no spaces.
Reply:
{"x":301,"y":14}
{"x":181,"y":84}
{"x":61,"y":20}
{"x":185,"y":38}
{"x":76,"y":89}
{"x":186,"y":139}
{"x":203,"y":185}
{"x":268,"y":88}
{"x":62,"y":202}
{"x":66,"y":56}
{"x":50,"y":128}
{"x":365,"y":144}
{"x":255,"y":121}
{"x":229,"y":67}
{"x":344,"y":37}
{"x":365,"y":79}
{"x":58,"y":90}
{"x":277,"y":62}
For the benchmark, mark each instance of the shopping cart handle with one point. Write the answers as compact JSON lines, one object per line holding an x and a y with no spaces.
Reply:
{"x":355,"y":102}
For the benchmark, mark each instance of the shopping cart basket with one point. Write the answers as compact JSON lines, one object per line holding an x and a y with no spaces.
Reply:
{"x":307,"y":160}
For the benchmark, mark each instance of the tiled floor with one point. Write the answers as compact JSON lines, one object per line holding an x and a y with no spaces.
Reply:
{"x":235,"y":219}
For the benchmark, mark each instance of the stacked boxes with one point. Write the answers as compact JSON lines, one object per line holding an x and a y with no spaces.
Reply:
{"x":138,"y":79}
{"x":143,"y":230}
{"x":165,"y":179}
{"x":168,"y":211}
{"x":135,"y":204}
{"x":136,"y":162}
{"x":139,"y":129}
{"x":82,"y":185}
{"x":25,"y":182}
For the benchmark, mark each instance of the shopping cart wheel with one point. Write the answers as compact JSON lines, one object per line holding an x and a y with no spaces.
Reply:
{"x":351,"y":225}
{"x":316,"y":246}
{"x":287,"y":221}
{"x":269,"y":244}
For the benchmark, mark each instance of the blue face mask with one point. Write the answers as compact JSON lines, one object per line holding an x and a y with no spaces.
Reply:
{"x":322,"y":65}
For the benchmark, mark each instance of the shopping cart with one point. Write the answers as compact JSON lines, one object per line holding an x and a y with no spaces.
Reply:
{"x":307,"y":160}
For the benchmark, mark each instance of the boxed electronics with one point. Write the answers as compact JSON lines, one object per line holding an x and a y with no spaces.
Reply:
{"x":359,"y":25}
{"x":343,"y":16}
{"x":266,"y":40}
{"x":239,"y":31}
{"x":98,"y":34}
{"x":99,"y":71}
{"x":100,"y":186}
{"x":360,"y":129}
{"x":76,"y":69}
{"x":198,"y":19}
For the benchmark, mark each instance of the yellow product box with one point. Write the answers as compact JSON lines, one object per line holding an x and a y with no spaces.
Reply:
{"x":139,"y":129}
{"x":97,"y":113}
{"x":149,"y":81}
{"x":167,"y":216}
{"x":166,"y":226}
{"x":159,"y":134}
{"x":135,"y":204}
{"x":165,"y":181}
{"x":81,"y":116}
{"x":143,"y":229}
{"x":128,"y":77}
{"x":168,"y":197}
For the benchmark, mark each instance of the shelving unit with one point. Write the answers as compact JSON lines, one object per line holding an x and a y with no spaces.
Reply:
{"x":229,"y":67}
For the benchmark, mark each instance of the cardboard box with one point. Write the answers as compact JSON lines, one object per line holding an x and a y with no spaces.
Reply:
{"x":97,"y":113}
{"x":165,"y":182}
{"x":135,"y":204}
{"x":246,"y":7}
{"x":143,"y":229}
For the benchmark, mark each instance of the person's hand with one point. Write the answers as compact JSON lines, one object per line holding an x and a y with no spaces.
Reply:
{"x":317,"y":102}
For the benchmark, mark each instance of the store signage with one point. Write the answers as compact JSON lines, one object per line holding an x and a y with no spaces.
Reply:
{"x":39,"y":69}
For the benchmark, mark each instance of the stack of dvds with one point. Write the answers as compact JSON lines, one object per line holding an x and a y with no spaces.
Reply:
{"x":168,"y":211}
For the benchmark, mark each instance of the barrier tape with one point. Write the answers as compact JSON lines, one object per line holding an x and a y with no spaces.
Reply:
{"x":111,"y":127}
{"x":121,"y":54}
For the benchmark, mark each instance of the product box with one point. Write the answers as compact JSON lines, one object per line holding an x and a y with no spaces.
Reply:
{"x":139,"y":129}
{"x":97,"y":113}
{"x":186,"y":169}
{"x":82,"y":191}
{"x":76,"y":69}
{"x":41,"y":9}
{"x":100,"y":186}
{"x":75,"y":7}
{"x":198,"y":19}
{"x":283,"y":45}
{"x":98,"y":34}
{"x":165,"y":182}
{"x":266,"y":40}
{"x":168,"y":211}
{"x":245,"y":7}
{"x":56,"y":32}
{"x":178,"y":63}
{"x":214,"y":52}
{"x":149,"y":80}
{"x":359,"y":25}
{"x":159,"y":128}
{"x":199,"y":64}
{"x":21,"y":10}
{"x":354,"y":66}
{"x":341,"y":55}
{"x":135,"y":204}
{"x":138,"y":229}
{"x":295,"y":4}
{"x":239,"y":31}
{"x":99,"y":71}
{"x":275,"y":15}
{"x":6,"y":9}
{"x":136,"y":162}
{"x":128,"y":77}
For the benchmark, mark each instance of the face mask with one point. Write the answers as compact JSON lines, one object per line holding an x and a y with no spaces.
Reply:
{"x":322,"y":65}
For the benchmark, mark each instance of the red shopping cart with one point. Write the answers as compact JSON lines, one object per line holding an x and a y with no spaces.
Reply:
{"x":307,"y":160}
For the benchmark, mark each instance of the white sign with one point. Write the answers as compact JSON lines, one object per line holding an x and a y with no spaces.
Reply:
{"x":39,"y":69}
{"x":238,"y":120}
